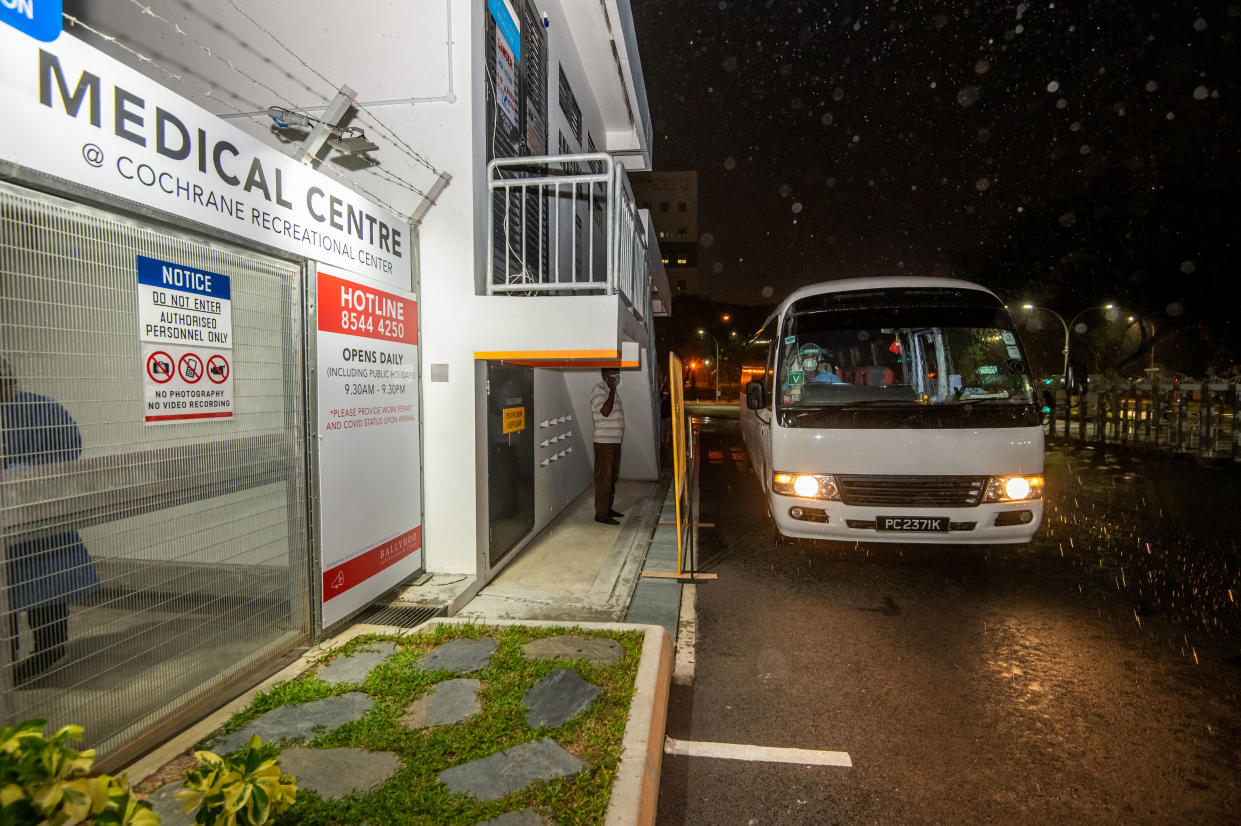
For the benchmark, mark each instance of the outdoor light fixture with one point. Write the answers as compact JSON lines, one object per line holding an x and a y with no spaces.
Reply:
{"x":701,"y":333}
{"x":353,"y":143}
{"x":1068,"y":325}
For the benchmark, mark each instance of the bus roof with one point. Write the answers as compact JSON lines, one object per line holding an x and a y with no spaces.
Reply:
{"x":848,"y":284}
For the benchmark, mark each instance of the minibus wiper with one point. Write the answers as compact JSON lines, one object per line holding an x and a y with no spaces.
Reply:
{"x":995,"y":398}
{"x":877,"y":403}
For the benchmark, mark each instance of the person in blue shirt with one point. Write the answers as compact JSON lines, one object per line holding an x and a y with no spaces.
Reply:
{"x":814,"y":368}
{"x":43,"y":572}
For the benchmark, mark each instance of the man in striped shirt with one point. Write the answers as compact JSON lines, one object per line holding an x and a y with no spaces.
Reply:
{"x":605,"y":404}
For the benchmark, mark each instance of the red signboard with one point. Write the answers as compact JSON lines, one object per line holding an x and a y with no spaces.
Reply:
{"x":357,"y":310}
{"x":364,"y":566}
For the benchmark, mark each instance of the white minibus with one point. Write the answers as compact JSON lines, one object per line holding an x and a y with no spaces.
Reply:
{"x":894,"y":410}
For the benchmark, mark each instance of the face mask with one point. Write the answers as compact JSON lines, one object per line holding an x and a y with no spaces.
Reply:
{"x":810,"y":364}
{"x":616,"y":378}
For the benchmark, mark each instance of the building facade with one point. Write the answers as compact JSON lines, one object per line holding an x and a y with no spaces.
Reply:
{"x":323,"y":292}
{"x":672,"y":199}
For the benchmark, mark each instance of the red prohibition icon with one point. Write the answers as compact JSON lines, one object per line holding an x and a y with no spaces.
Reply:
{"x":217,"y":369}
{"x":191,"y":368}
{"x":159,"y":367}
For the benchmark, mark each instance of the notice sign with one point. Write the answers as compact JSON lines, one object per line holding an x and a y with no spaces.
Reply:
{"x":514,"y":419}
{"x":371,"y":519}
{"x":185,"y":323}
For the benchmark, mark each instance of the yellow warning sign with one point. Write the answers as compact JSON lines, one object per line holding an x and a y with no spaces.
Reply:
{"x":514,"y":419}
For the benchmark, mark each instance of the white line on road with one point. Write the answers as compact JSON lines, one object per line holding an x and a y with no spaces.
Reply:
{"x":763,"y":754}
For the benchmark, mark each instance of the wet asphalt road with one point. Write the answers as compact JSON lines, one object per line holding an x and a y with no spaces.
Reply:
{"x":1093,"y":676}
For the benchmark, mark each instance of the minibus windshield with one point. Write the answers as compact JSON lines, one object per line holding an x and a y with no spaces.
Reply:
{"x":900,"y":357}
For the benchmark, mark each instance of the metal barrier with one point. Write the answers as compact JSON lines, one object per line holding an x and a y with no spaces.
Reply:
{"x":1188,"y":418}
{"x":566,"y":225}
{"x":172,"y":558}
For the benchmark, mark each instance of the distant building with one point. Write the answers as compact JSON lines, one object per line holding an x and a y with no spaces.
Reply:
{"x":672,"y":198}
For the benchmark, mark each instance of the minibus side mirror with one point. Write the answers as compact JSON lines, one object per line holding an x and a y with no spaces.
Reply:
{"x":754,"y":395}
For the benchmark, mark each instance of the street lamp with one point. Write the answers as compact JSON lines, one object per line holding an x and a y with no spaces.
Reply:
{"x":1067,"y":325}
{"x":717,"y":363}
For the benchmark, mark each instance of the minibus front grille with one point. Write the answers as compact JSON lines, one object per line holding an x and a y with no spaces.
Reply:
{"x":924,"y":491}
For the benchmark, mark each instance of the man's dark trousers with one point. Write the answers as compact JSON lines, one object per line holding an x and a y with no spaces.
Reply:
{"x":607,"y":471}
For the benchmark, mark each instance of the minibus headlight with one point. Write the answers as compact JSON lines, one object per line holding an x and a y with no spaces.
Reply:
{"x":806,"y":485}
{"x":1014,"y":488}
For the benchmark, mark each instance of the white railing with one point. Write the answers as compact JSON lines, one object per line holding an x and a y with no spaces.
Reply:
{"x":566,"y":225}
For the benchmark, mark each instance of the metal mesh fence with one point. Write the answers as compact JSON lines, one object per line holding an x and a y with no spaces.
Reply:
{"x":160,"y":562}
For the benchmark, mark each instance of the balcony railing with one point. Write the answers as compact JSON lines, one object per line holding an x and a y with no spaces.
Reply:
{"x":566,"y":225}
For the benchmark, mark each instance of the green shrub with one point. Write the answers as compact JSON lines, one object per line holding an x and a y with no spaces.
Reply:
{"x":44,"y":781}
{"x":238,"y":790}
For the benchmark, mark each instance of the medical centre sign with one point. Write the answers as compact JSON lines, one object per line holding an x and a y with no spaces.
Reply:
{"x":80,"y":115}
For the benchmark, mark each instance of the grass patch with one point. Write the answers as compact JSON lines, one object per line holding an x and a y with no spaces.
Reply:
{"x":415,"y":795}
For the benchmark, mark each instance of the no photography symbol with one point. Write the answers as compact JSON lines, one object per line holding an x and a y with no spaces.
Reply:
{"x":159,"y":367}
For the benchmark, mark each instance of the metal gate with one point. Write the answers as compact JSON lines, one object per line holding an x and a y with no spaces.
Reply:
{"x":160,"y":562}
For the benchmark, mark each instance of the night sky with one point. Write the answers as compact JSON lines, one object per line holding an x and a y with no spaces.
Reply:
{"x":863,"y":138}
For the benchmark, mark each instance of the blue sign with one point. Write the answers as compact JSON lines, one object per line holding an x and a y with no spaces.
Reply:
{"x":156,"y":273}
{"x":41,"y":19}
{"x":504,"y":22}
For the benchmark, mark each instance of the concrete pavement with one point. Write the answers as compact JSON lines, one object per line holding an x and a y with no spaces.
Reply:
{"x":578,"y":570}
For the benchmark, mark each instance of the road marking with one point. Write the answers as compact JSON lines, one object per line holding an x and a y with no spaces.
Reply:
{"x":762,"y":754}
{"x":687,"y":625}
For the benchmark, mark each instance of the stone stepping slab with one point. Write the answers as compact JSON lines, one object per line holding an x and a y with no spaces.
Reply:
{"x":355,"y":667}
{"x":505,"y":772}
{"x":335,"y":773}
{"x":558,"y":698}
{"x":168,"y":807}
{"x":449,"y":702}
{"x":597,"y":650}
{"x":296,"y":722}
{"x":460,"y":656}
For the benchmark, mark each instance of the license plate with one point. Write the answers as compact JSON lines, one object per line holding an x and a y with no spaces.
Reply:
{"x":912,"y":524}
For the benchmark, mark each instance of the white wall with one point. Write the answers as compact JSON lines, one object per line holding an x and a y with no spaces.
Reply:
{"x":449,"y":245}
